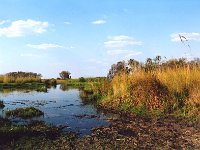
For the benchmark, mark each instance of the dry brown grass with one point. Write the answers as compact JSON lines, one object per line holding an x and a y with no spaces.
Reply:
{"x":9,"y":79}
{"x":167,"y":90}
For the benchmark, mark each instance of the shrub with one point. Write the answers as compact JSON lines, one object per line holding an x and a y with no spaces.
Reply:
{"x":81,"y":79}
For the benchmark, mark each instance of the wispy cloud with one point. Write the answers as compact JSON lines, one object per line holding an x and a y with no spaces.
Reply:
{"x":44,"y":46}
{"x":29,"y":55}
{"x":71,"y":47}
{"x":4,"y":21}
{"x":67,"y":23}
{"x":123,"y":52}
{"x":121,"y":41}
{"x":21,"y":28}
{"x":98,"y":22}
{"x":194,"y":36}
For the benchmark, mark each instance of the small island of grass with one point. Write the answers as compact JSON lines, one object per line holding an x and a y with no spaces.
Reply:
{"x":27,"y":112}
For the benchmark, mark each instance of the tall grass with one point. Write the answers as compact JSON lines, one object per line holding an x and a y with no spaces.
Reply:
{"x":10,"y":79}
{"x":162,"y":89}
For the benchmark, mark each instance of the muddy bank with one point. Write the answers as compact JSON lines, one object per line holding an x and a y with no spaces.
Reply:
{"x":126,"y":131}
{"x":143,"y":133}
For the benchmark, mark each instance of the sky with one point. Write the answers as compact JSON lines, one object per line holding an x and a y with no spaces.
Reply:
{"x":86,"y":37}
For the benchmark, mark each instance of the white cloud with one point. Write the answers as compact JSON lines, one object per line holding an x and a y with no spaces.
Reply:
{"x":123,"y":52}
{"x":194,"y":36}
{"x":44,"y":46}
{"x":4,"y":21}
{"x":67,"y":23}
{"x":97,"y":22}
{"x":29,"y":55}
{"x":21,"y":28}
{"x":71,"y":47}
{"x":121,"y":41}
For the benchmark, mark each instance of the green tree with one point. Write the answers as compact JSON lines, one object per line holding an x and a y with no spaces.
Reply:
{"x":65,"y":75}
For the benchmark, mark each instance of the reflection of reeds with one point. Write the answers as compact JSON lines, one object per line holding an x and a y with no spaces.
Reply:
{"x":10,"y":90}
{"x":84,"y":95}
{"x":2,"y":104}
{"x":22,"y":87}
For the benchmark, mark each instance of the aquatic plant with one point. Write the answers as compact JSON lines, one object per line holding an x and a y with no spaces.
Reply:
{"x":27,"y":112}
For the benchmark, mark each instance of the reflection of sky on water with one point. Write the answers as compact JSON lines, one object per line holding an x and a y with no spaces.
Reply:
{"x":60,"y":108}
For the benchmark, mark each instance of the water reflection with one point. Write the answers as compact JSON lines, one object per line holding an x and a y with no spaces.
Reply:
{"x":61,"y":105}
{"x":10,"y":90}
{"x":64,"y":87}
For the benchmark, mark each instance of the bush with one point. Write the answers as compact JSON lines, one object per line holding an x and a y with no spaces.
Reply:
{"x":82,"y":79}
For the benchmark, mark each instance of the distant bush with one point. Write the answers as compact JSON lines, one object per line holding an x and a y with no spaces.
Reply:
{"x":82,"y":79}
{"x":50,"y":82}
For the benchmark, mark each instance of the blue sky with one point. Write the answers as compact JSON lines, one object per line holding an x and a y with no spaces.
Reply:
{"x":87,"y":36}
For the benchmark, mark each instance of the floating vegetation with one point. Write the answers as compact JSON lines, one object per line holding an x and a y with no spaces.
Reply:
{"x":27,"y":112}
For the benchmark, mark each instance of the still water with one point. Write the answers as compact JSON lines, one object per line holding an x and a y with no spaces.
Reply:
{"x":61,"y":108}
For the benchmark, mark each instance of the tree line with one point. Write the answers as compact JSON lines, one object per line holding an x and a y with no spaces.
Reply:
{"x":151,"y":64}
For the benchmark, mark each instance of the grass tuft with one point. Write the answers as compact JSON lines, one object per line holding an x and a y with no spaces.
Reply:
{"x":27,"y":112}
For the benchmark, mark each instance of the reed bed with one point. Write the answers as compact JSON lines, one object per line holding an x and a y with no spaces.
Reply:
{"x":162,"y":89}
{"x":7,"y":79}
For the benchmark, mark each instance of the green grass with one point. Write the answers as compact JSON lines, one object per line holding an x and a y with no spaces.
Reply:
{"x":71,"y":82}
{"x":141,"y":111}
{"x":11,"y":133}
{"x":21,"y":85}
{"x":40,"y":87}
{"x":27,"y":112}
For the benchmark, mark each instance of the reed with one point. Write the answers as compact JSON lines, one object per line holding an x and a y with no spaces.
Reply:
{"x":164,"y":88}
{"x":10,"y":79}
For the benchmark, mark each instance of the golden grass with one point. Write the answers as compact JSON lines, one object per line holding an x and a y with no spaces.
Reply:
{"x":177,"y":79}
{"x":167,"y":90}
{"x":9,"y":79}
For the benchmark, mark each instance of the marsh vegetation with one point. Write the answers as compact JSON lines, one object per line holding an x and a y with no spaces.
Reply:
{"x":155,"y":87}
{"x":27,"y":112}
{"x":138,"y":105}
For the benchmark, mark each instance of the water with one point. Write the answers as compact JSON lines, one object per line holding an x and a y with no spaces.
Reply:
{"x":61,"y":108}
